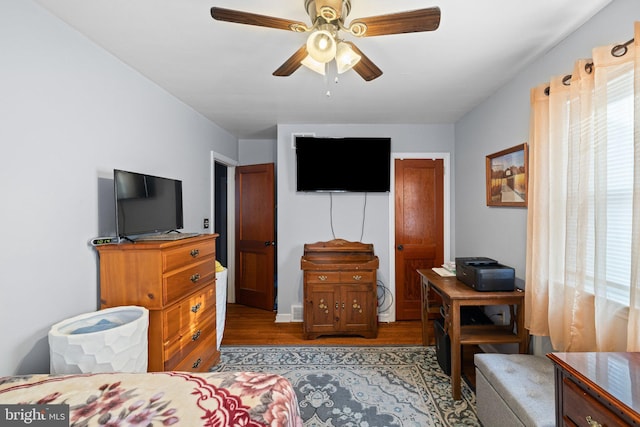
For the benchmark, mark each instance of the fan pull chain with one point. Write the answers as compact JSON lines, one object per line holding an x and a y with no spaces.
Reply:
{"x":326,"y":81}
{"x":328,"y":92}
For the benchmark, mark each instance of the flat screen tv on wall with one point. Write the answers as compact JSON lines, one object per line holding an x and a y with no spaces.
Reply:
{"x":146,"y":204}
{"x":343,"y":164}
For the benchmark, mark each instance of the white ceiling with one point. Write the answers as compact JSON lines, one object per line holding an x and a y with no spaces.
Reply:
{"x":223,"y":70}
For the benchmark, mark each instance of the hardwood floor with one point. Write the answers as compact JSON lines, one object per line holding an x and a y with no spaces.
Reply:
{"x":252,"y":326}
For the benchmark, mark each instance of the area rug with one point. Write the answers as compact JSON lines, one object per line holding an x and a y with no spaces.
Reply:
{"x":361,"y":386}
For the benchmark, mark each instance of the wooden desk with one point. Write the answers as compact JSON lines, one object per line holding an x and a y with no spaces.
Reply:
{"x":456,"y":294}
{"x":597,"y":389}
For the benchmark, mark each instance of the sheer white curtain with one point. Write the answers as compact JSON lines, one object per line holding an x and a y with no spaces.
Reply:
{"x":583,"y":229}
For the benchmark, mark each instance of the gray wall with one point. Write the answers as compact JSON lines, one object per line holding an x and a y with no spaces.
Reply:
{"x":69,"y":114}
{"x":256,"y":151}
{"x":501,"y":122}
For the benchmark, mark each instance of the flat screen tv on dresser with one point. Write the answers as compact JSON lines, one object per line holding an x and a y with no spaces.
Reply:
{"x":325,"y":164}
{"x":146,"y":203}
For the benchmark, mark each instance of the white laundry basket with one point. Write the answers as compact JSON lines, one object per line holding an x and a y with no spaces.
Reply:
{"x":109,"y":340}
{"x":221,"y":303}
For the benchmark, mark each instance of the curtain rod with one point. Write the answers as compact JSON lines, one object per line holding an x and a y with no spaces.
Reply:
{"x":617,"y":51}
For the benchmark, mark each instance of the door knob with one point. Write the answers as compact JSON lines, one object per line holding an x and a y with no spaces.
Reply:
{"x":400,"y":247}
{"x":269,"y":243}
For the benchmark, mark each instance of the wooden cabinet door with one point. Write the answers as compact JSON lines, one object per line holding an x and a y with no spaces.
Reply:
{"x":321,"y":310}
{"x":357,"y":308}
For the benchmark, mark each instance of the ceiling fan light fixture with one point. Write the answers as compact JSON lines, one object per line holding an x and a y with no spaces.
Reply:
{"x":312,"y":64}
{"x":346,"y":57}
{"x":321,"y":46}
{"x":327,"y":20}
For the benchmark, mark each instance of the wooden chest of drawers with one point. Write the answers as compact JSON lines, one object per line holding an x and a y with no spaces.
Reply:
{"x":340,"y":289}
{"x":175,"y":280}
{"x":597,"y":389}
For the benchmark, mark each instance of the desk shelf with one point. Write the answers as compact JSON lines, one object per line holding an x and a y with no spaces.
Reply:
{"x":487,"y":334}
{"x":455,"y":295}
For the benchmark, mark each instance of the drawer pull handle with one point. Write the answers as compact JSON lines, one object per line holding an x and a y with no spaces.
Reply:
{"x":197,"y":363}
{"x":195,"y":277}
{"x":196,"y":307}
{"x":357,"y":277}
{"x":337,"y":306}
{"x":194,"y":252}
{"x":195,"y":336}
{"x":592,"y":422}
{"x":323,"y":278}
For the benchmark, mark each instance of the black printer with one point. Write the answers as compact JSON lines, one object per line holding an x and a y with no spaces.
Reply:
{"x":485,"y":274}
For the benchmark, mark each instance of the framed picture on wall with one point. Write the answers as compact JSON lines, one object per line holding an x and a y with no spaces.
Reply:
{"x":508,"y":176}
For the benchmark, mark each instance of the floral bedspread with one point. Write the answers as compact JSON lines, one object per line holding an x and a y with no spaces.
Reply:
{"x":187,"y":399}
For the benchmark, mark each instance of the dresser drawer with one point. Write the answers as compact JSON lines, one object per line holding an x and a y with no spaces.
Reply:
{"x":183,"y":282}
{"x":186,"y":342}
{"x":183,"y":315}
{"x":201,"y":359}
{"x":579,"y":407}
{"x":186,"y":254}
{"x":322,"y":276}
{"x":356,"y":276}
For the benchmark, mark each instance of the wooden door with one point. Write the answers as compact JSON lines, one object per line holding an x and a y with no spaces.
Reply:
{"x":419,"y":228}
{"x":255,"y":236}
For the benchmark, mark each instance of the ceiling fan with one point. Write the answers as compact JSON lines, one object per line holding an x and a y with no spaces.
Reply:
{"x":324,"y":44}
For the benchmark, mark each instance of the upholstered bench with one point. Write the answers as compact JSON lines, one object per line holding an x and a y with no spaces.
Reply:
{"x":515,"y":390}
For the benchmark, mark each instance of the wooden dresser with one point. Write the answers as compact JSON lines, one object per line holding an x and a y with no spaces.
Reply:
{"x":597,"y":389}
{"x":340,"y":289}
{"x":175,"y":280}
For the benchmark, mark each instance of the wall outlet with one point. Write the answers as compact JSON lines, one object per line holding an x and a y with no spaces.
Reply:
{"x":503,"y":316}
{"x":205,"y":223}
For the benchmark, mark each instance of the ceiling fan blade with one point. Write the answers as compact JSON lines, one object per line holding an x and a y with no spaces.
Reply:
{"x":239,"y":17}
{"x":398,"y":23}
{"x":292,"y":64}
{"x":365,"y":67}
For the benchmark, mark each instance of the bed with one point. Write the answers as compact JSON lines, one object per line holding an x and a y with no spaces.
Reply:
{"x":161,"y":398}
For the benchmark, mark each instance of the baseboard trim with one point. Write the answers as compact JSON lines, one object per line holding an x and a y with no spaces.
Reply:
{"x":283,"y":318}
{"x":488,"y":348}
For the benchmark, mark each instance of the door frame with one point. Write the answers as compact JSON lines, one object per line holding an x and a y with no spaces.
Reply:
{"x":390,"y":315}
{"x":231,"y":216}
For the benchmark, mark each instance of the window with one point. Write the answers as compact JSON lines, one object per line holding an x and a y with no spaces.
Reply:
{"x":617,"y":161}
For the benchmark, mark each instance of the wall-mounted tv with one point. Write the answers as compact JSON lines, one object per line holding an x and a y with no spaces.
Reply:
{"x":343,"y":164}
{"x":146,"y":204}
